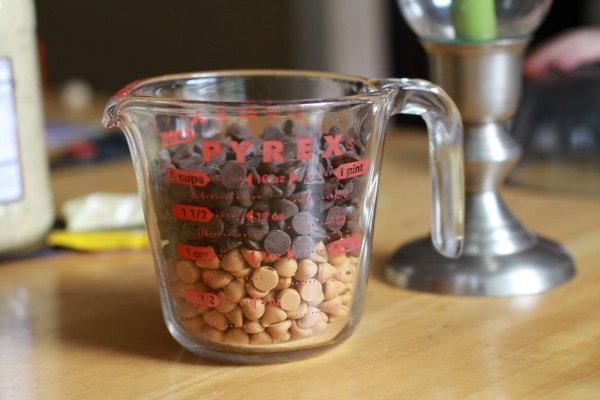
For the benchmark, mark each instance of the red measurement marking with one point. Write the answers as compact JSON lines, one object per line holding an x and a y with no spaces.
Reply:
{"x":184,"y":177}
{"x":191,"y":213}
{"x":176,"y":136}
{"x":352,"y":169}
{"x":196,"y":253}
{"x":253,"y":215}
{"x":201,"y":298}
{"x":290,"y":254}
{"x":292,"y":178}
{"x":344,"y":245}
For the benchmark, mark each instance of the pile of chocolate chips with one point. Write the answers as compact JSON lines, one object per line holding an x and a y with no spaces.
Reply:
{"x":281,"y":202}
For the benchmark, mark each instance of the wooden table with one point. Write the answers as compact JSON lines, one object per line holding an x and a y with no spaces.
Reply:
{"x":89,"y":325}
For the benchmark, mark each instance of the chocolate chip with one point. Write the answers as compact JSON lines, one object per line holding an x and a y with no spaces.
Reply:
{"x":302,"y":199}
{"x":273,"y":132}
{"x":251,"y":244}
{"x":303,"y":223}
{"x":268,"y":191}
{"x":256,"y":231}
{"x":233,"y":174}
{"x":181,"y":153}
{"x":212,"y":228}
{"x":277,"y":242}
{"x":234,"y":215}
{"x":189,"y":231}
{"x":238,"y":132}
{"x":292,"y":128}
{"x":329,"y":187}
{"x":181,"y":193}
{"x":192,"y":163}
{"x":333,"y":236}
{"x":220,"y":196}
{"x":228,"y":243}
{"x":335,"y":218}
{"x":302,"y":246}
{"x":285,"y":207}
{"x":244,"y":195}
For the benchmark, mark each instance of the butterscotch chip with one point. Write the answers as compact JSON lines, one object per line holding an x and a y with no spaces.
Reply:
{"x":339,"y":311}
{"x":310,"y":290}
{"x":178,"y":289}
{"x":310,"y":318}
{"x":236,"y":336}
{"x":186,"y":310}
{"x":263,"y":337}
{"x":213,"y":334}
{"x":306,"y":269}
{"x":346,"y":298}
{"x":288,"y":299}
{"x":348,"y":287}
{"x":279,"y":330}
{"x":286,"y":267}
{"x":233,"y":260}
{"x":330,"y":306}
{"x":225,"y":304}
{"x":284,"y":282}
{"x":195,"y":325}
{"x":242,"y":273}
{"x":265,"y":278}
{"x":236,"y":317}
{"x":319,"y":253}
{"x":235,"y":290}
{"x":299,"y":312}
{"x":217,"y":278}
{"x":345,"y":272}
{"x":216,"y":320}
{"x":215,"y":263}
{"x":300,"y":333}
{"x":326,"y":271}
{"x":317,"y":300}
{"x":333,"y":288}
{"x":337,"y":259}
{"x":253,"y":257}
{"x":253,"y":327}
{"x":252,"y":291}
{"x":319,"y":327}
{"x":187,"y":271}
{"x":252,"y":308}
{"x":272,"y":314}
{"x":270,"y":298}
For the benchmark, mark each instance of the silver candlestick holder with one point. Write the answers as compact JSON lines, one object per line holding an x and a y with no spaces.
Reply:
{"x":500,"y":256}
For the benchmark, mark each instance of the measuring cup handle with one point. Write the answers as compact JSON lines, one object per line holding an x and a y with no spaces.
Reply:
{"x":446,"y":161}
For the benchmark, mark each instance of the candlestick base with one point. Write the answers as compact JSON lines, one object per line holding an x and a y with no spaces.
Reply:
{"x":500,"y":256}
{"x":418,"y":266}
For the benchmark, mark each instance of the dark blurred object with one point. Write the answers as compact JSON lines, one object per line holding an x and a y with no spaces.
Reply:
{"x":558,"y":126}
{"x":111,"y":42}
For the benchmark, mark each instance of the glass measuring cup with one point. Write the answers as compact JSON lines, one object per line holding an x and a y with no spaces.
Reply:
{"x":259,"y":191}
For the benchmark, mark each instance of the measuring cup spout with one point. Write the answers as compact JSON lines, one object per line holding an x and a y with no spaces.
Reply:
{"x":444,"y":126}
{"x":110,"y":118}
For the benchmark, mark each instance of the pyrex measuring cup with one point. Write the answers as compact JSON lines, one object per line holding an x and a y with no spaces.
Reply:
{"x":259,"y":191}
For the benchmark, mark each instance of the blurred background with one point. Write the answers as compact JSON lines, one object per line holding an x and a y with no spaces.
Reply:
{"x":92,"y":48}
{"x":108,"y":43}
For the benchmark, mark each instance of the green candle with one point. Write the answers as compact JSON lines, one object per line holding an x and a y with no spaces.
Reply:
{"x":474,"y":19}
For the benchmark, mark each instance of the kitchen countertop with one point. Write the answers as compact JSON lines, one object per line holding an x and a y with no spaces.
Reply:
{"x":89,"y":325}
